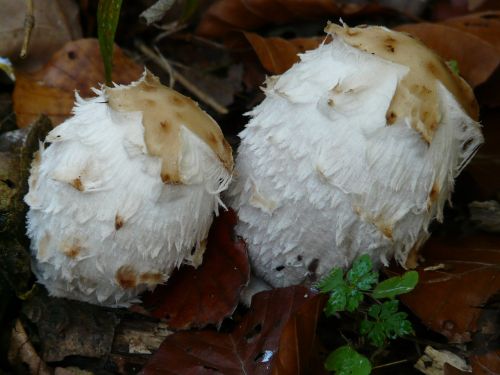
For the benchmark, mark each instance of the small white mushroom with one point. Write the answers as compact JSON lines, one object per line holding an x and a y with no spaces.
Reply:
{"x":124,"y":191}
{"x":354,"y":150}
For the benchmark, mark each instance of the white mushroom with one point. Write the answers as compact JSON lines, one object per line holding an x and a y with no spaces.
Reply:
{"x":124,"y":191}
{"x":354,"y":150}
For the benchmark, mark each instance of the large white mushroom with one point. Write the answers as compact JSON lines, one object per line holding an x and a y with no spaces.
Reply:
{"x":124,"y":191}
{"x":354,"y":150}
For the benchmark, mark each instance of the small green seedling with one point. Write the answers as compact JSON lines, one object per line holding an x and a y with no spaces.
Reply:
{"x":382,"y":320}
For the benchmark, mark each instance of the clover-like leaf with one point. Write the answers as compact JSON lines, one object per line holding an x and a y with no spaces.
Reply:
{"x":396,"y":285}
{"x":337,"y":300}
{"x":334,"y":280}
{"x":347,"y":361}
{"x":387,"y":322}
{"x":361,"y":275}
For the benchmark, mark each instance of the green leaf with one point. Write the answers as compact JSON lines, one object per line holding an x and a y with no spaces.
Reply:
{"x":396,"y":285}
{"x":108,"y":13}
{"x":453,"y":65}
{"x":337,"y":300}
{"x":331,"y":282}
{"x":361,"y":275}
{"x":354,"y":298}
{"x":190,"y":7}
{"x":347,"y":361}
{"x":387,"y":323}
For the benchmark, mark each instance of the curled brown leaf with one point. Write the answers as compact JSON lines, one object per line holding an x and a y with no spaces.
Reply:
{"x":206,"y":295}
{"x":76,"y":66}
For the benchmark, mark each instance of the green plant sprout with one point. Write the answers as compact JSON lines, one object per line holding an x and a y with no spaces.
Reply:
{"x":382,"y":320}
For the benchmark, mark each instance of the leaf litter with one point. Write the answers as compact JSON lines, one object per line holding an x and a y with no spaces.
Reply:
{"x":279,"y":333}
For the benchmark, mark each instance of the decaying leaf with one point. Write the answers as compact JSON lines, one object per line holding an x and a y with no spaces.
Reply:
{"x":477,"y":58}
{"x":278,"y":54}
{"x":56,"y":22}
{"x":459,"y":275}
{"x":206,"y":295}
{"x":226,"y":16}
{"x":433,"y":361}
{"x":485,"y":25}
{"x":77,"y":66}
{"x":253,"y":347}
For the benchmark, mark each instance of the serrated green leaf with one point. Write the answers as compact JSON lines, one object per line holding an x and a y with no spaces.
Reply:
{"x":354,"y":298}
{"x":337,"y":300}
{"x":361,"y":275}
{"x":374,"y":331}
{"x":334,"y":280}
{"x":108,"y":13}
{"x":347,"y":361}
{"x":387,"y":323}
{"x":396,"y":285}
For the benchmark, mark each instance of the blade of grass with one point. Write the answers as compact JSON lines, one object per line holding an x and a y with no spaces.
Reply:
{"x":108,"y":13}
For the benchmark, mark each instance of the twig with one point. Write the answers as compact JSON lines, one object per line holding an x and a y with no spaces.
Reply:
{"x":391,"y":363}
{"x":29,"y":23}
{"x":22,"y":350}
{"x":205,"y":98}
{"x":168,"y":68}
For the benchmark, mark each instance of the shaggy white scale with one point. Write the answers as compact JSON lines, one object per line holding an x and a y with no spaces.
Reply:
{"x":354,"y":150}
{"x":106,"y":221}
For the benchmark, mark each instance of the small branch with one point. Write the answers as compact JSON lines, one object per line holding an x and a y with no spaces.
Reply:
{"x":29,"y":23}
{"x":391,"y":364}
{"x":202,"y":96}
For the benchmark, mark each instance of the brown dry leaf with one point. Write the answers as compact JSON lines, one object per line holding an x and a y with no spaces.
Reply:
{"x":465,"y":273}
{"x":481,"y":170}
{"x":56,"y":22}
{"x":206,"y":295}
{"x":486,"y":364}
{"x":484,"y":25}
{"x":226,"y":16}
{"x":477,"y":59}
{"x":77,"y":66}
{"x":253,"y":346}
{"x":277,"y":54}
{"x":299,"y":347}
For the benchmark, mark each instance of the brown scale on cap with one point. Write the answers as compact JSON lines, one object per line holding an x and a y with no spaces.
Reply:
{"x":416,"y":95}
{"x":118,"y":222}
{"x":164,"y":112}
{"x":77,"y":184}
{"x":126,"y":277}
{"x":151,"y":278}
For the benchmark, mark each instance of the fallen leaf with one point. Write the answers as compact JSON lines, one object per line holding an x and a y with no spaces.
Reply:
{"x":485,"y":25}
{"x":254,"y":345}
{"x":277,"y":54}
{"x":225,"y":16}
{"x":465,"y":273}
{"x":486,"y":364}
{"x":206,"y":295}
{"x":77,"y":66}
{"x":444,"y":9}
{"x":482,"y":166}
{"x":56,"y":22}
{"x":298,"y":348}
{"x":477,"y":59}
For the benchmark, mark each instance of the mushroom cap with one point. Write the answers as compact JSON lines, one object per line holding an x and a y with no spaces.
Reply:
{"x":416,"y":96}
{"x":165,"y":111}
{"x":116,"y":200}
{"x":354,"y":150}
